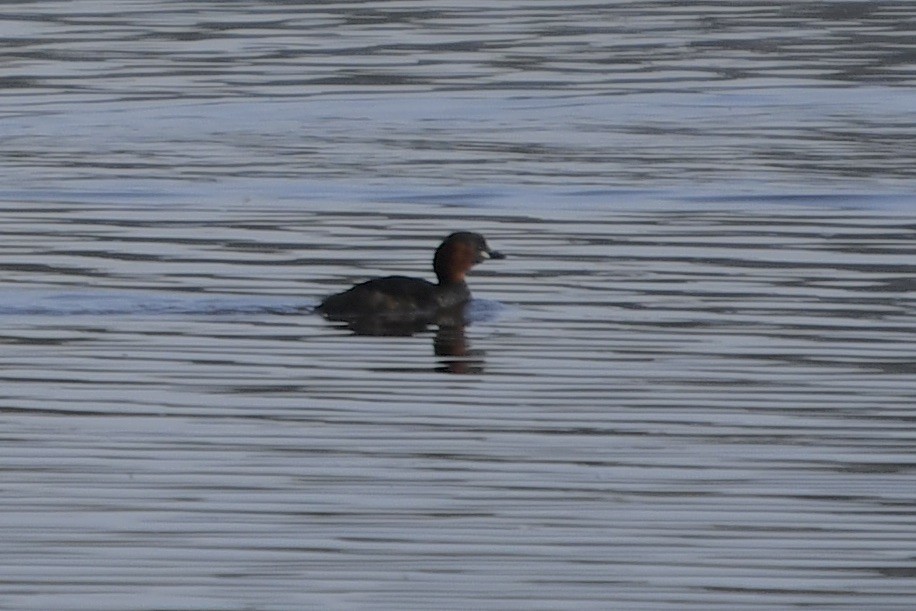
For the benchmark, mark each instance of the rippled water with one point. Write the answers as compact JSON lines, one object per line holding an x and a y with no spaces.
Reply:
{"x":690,"y":385}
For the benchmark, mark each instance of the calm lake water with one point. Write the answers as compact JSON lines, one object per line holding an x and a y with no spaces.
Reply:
{"x":689,"y":386}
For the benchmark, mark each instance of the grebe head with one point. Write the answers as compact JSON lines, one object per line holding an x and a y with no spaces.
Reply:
{"x":458,"y":253}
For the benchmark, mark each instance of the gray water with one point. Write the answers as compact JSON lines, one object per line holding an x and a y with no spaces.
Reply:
{"x":689,"y":386}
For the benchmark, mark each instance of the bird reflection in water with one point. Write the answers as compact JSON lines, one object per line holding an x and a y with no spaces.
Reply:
{"x":455,"y":355}
{"x":450,"y":343}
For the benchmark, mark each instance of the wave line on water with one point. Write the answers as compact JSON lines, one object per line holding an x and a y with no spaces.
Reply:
{"x":136,"y":303}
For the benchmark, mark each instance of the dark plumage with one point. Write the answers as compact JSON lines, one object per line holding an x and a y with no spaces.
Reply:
{"x":400,"y":298}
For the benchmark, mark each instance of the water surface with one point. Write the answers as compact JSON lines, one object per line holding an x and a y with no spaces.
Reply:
{"x":690,"y":385}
